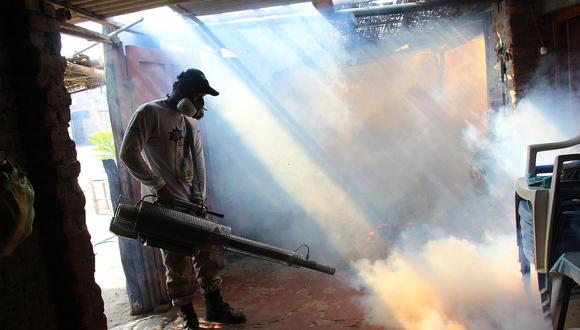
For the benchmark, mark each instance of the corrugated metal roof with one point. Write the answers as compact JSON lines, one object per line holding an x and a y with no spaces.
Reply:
{"x":208,"y":7}
{"x":102,"y":9}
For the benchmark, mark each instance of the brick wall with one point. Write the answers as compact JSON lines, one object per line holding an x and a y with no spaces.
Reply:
{"x":549,"y":6}
{"x":516,"y":21}
{"x":48,"y":282}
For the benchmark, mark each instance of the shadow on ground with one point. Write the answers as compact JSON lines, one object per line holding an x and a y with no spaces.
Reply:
{"x":273,"y":297}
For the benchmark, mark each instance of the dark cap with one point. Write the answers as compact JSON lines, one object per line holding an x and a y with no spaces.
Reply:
{"x":195,"y":78}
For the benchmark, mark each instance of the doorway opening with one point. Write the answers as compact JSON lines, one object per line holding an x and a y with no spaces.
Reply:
{"x":90,"y":129}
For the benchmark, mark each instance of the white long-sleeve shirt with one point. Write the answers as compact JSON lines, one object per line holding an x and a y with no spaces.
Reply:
{"x":153,"y":151}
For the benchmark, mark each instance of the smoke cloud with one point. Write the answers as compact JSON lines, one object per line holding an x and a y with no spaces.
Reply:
{"x":381,"y":155}
{"x":450,"y":284}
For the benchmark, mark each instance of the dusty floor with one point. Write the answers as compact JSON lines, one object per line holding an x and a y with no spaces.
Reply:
{"x":272,"y":296}
{"x":109,"y":272}
{"x":275,"y":297}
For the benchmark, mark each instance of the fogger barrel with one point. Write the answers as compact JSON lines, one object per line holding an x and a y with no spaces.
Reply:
{"x":158,"y":226}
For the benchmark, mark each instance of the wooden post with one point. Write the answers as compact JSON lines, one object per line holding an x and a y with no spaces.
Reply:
{"x":119,"y":101}
{"x":142,"y":265}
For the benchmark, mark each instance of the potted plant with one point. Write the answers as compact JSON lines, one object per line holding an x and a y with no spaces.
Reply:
{"x":104,"y":147}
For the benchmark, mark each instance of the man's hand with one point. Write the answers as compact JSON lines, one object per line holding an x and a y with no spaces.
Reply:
{"x":165,"y":197}
{"x":202,"y":208}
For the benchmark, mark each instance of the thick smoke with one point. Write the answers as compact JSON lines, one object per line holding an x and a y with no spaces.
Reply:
{"x":382,"y":155}
{"x":450,"y":283}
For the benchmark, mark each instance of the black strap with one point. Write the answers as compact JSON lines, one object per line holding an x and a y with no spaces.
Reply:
{"x":189,"y":147}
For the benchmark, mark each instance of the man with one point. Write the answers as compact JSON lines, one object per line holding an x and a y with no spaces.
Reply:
{"x":162,"y":148}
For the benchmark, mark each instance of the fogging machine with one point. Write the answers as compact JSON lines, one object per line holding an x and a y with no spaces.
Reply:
{"x":158,"y":226}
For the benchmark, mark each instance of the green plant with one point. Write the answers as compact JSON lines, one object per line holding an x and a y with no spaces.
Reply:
{"x":104,"y":144}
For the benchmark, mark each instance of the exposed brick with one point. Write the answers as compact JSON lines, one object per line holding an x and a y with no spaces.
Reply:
{"x":63,"y":115}
{"x":69,"y":171}
{"x":58,"y":97}
{"x":512,"y":19}
{"x":51,"y":117}
{"x":29,"y":54}
{"x":79,"y":242}
{"x":21,"y":18}
{"x":68,"y":100}
{"x":516,"y":10}
{"x":523,"y":21}
{"x":32,"y":5}
{"x":6,"y":85}
{"x":8,"y":141}
{"x":47,"y":9}
{"x":7,"y":122}
{"x":70,"y":150}
{"x":57,"y":155}
{"x":37,"y":39}
{"x":6,"y":100}
{"x":30,"y":246}
{"x":52,"y":25}
{"x":12,"y":278}
{"x":53,"y":42}
{"x":3,"y":60}
{"x":51,"y":69}
{"x":39,"y":22}
{"x":526,"y":53}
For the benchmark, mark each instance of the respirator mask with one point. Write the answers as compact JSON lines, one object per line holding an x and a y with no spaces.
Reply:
{"x":193,"y":109}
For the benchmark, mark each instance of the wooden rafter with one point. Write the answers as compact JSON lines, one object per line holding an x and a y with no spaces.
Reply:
{"x":81,"y":32}
{"x":81,"y":11}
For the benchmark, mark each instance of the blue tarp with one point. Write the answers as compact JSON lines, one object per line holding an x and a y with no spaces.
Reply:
{"x":526,"y":229}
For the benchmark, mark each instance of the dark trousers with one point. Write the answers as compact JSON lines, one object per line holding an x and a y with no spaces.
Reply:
{"x":184,"y":273}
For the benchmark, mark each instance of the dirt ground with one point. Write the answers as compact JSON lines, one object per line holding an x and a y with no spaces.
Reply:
{"x":109,"y":272}
{"x":272,"y":296}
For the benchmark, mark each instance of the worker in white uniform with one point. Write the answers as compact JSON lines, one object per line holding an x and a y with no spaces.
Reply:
{"x":162,"y":148}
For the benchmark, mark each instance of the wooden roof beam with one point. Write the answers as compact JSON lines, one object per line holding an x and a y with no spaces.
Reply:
{"x":105,"y":21}
{"x":78,"y":10}
{"x":131,"y":5}
{"x":81,"y":32}
{"x":88,"y":15}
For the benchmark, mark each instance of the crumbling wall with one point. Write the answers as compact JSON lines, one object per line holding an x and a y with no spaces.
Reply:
{"x":549,"y":6}
{"x":516,"y":24}
{"x":532,"y":31}
{"x":48,"y":282}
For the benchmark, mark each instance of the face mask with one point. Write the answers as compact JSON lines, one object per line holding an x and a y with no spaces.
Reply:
{"x":186,"y":107}
{"x":198,"y":104}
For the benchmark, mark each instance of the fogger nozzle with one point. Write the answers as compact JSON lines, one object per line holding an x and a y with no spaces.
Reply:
{"x":168,"y":229}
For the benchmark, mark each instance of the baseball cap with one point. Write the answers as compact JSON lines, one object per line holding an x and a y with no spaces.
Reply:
{"x":196,"y":78}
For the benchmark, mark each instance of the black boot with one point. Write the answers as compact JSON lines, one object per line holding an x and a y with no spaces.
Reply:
{"x":217,"y":310}
{"x":190,"y":321}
